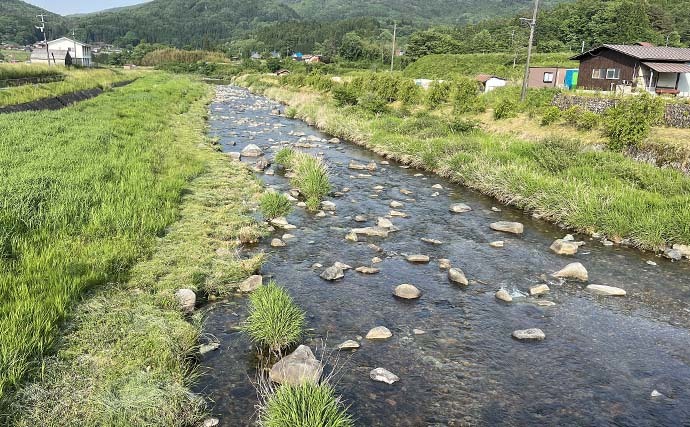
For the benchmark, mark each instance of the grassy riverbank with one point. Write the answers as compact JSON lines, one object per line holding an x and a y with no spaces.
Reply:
{"x":75,"y":80}
{"x":113,"y":210}
{"x":562,"y":180}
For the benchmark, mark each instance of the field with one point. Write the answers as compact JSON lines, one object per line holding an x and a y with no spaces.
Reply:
{"x":74,"y":81}
{"x":83,"y":202}
{"x":559,"y":179}
{"x":17,"y":55}
{"x":499,"y":64}
{"x":22,"y":71}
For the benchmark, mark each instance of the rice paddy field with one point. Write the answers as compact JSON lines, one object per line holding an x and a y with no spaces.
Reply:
{"x":86,"y":192}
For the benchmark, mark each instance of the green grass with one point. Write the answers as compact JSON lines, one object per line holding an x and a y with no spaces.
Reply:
{"x":501,"y":64}
{"x":21,"y":71}
{"x":563,"y":181}
{"x":274,"y":321}
{"x":125,"y":357}
{"x":17,"y":55}
{"x":311,"y":178}
{"x":284,"y":157}
{"x":74,"y":81}
{"x":305,"y":405}
{"x":274,"y":205}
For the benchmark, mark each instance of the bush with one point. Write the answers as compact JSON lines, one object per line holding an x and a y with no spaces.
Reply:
{"x":274,"y":320}
{"x":285,"y":156}
{"x":274,"y":205}
{"x":505,"y":109}
{"x":463,"y":126}
{"x":373,"y":103}
{"x":311,"y":178}
{"x":408,"y":92}
{"x":587,"y":121}
{"x":551,"y":115}
{"x":629,"y":123}
{"x":344,"y":94}
{"x":304,"y":405}
{"x":439,"y":93}
{"x":465,"y":96}
{"x":291,"y":112}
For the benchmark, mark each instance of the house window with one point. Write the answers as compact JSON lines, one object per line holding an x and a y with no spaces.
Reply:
{"x":548,"y":77}
{"x":598,"y":73}
{"x":613,"y":74}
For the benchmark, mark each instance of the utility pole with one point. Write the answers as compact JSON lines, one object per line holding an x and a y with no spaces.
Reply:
{"x":45,"y":38}
{"x":75,"y":45}
{"x":532,"y":26}
{"x":395,"y":28}
{"x":512,"y":46}
{"x":583,"y":47}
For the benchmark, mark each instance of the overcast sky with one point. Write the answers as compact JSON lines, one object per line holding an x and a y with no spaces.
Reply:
{"x":66,"y":7}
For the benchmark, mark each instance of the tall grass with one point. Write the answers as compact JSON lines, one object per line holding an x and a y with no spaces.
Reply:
{"x":22,"y":71}
{"x":85,"y":193}
{"x":273,"y":205}
{"x":168,"y":56}
{"x":274,"y":321}
{"x":304,"y":405}
{"x":311,"y":177}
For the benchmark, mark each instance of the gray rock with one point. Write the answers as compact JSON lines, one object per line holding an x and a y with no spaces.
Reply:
{"x":418,"y":259}
{"x":444,"y":264}
{"x":533,"y":334}
{"x":673,"y":254}
{"x":508,"y":227}
{"x":297,"y":368}
{"x":383,"y":375}
{"x":460,"y":208}
{"x":207,"y":348}
{"x":606,"y":290}
{"x":431,"y":241}
{"x":371,"y":231}
{"x":384,"y":223}
{"x":407,"y":291}
{"x":497,"y":244}
{"x":328,"y":206}
{"x":539,"y":290}
{"x":379,"y":333}
{"x":252,"y":283}
{"x":456,"y":275}
{"x":210,"y":422}
{"x":361,"y":218}
{"x":398,"y":214}
{"x":683,"y":249}
{"x":332,"y":273}
{"x":341,"y":265}
{"x":277,"y":243}
{"x":503,"y":295}
{"x":367,"y":270}
{"x":563,"y":247}
{"x":573,"y":271}
{"x":395,"y":204}
{"x":235,"y":155}
{"x":252,"y":150}
{"x":186,"y":299}
{"x":348,"y":345}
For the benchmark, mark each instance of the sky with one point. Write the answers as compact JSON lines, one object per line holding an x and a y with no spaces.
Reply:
{"x":67,"y":7}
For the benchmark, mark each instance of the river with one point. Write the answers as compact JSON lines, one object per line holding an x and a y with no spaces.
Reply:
{"x":601,"y":361}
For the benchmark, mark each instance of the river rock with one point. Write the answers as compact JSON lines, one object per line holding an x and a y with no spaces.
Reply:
{"x":352,"y":237}
{"x":332,"y":273}
{"x":395,"y":204}
{"x":261,"y":165}
{"x":186,"y":299}
{"x":564,"y":247}
{"x":683,"y":249}
{"x":606,"y":290}
{"x":418,"y":259}
{"x":406,"y":291}
{"x":367,"y":270}
{"x":533,"y":334}
{"x":384,"y":223}
{"x":341,"y":265}
{"x":573,"y":271}
{"x":328,"y":206}
{"x":539,"y":290}
{"x":379,"y":333}
{"x":376,"y":260}
{"x":437,"y":187}
{"x":406,"y":192}
{"x":497,"y":244}
{"x":673,"y":254}
{"x":399,"y":214}
{"x":281,"y":222}
{"x":334,"y":141}
{"x":348,"y":345}
{"x":431,"y":241}
{"x":371,"y":231}
{"x":444,"y":264}
{"x":456,"y":275}
{"x":207,"y":348}
{"x":361,"y":218}
{"x":460,"y":208}
{"x":503,"y":295}
{"x":297,"y":368}
{"x":252,"y":150}
{"x":277,"y":243}
{"x":251,"y":284}
{"x":383,"y":375}
{"x":508,"y":227}
{"x":210,"y":422}
{"x":235,"y":155}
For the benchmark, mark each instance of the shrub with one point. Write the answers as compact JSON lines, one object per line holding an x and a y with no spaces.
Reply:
{"x":291,"y":112}
{"x":463,"y":126}
{"x":505,"y":109}
{"x":408,"y":92}
{"x":311,"y":177}
{"x":465,"y":95}
{"x":373,"y":103}
{"x":439,"y":93}
{"x":551,"y":115}
{"x":344,"y":94}
{"x":274,"y":320}
{"x":571,"y":115}
{"x":304,"y":405}
{"x":587,"y":121}
{"x":273,"y":205}
{"x":285,"y":156}
{"x":629,"y":123}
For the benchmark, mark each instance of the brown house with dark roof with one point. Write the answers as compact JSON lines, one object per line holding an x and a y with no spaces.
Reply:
{"x":662,"y":70}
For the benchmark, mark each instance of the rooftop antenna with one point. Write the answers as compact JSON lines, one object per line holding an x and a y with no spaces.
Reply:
{"x":43,"y":30}
{"x":532,"y":25}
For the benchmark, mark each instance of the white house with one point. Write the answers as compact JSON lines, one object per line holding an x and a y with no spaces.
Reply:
{"x":57,"y":51}
{"x":490,"y":82}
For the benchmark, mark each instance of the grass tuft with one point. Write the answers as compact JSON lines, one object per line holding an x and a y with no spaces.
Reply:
{"x":274,"y":205}
{"x":305,"y":405}
{"x":311,"y":178}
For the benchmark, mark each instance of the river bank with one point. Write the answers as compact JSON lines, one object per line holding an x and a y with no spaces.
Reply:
{"x":598,"y":192}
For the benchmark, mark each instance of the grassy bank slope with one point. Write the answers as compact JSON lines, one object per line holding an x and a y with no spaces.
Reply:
{"x":84,"y":200}
{"x":564,"y":181}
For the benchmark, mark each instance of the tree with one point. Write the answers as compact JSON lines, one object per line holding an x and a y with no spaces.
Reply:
{"x":431,"y":42}
{"x":351,"y":47}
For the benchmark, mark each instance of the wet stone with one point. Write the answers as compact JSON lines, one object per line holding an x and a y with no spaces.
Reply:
{"x":606,"y":290}
{"x":539,"y":290}
{"x":367,"y":270}
{"x":573,"y":271}
{"x":460,"y":208}
{"x":277,"y":243}
{"x":297,"y":368}
{"x":186,"y":299}
{"x":407,"y":291}
{"x":251,"y":284}
{"x":379,"y":333}
{"x":418,"y":259}
{"x":444,"y":264}
{"x":431,"y":241}
{"x":503,"y":295}
{"x":497,"y":244}
{"x":508,"y":227}
{"x":532,"y":334}
{"x":456,"y":275}
{"x":348,"y":345}
{"x":383,"y":375}
{"x":332,"y":273}
{"x":252,"y":150}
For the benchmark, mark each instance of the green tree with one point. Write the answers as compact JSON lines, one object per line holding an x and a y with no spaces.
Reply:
{"x":351,"y":47}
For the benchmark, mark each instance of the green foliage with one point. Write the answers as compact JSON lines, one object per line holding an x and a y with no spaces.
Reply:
{"x":274,"y":64}
{"x":16,"y":71}
{"x":291,"y":112}
{"x":311,"y":178}
{"x":580,"y":118}
{"x":318,"y":81}
{"x":285,"y":156}
{"x":462,"y":126}
{"x":551,"y":115}
{"x":344,"y":94}
{"x":438,"y":93}
{"x":630,"y":121}
{"x":274,"y":321}
{"x":274,"y":205}
{"x":372,"y":103}
{"x":304,"y":405}
{"x":507,"y":108}
{"x":465,"y":96}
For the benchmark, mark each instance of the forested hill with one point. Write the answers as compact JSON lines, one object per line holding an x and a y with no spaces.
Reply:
{"x":17,"y":21}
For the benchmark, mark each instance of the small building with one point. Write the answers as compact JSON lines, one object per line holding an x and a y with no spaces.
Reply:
{"x":255,"y":56}
{"x":657,"y":69}
{"x":543,"y":77}
{"x":57,"y":51}
{"x":275,"y":55}
{"x":490,"y":82}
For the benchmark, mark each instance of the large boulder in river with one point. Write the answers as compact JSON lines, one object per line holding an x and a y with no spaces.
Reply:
{"x":406,"y":291}
{"x":564,"y":247}
{"x":532,"y":334}
{"x":186,"y":298}
{"x":297,"y":368}
{"x":456,"y":275}
{"x":508,"y":227}
{"x":252,"y":150}
{"x":332,"y":273}
{"x":573,"y":271}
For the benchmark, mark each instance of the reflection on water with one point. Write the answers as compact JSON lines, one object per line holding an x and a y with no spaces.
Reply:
{"x":599,"y":364}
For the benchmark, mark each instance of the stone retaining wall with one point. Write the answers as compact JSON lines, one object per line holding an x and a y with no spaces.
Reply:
{"x":676,"y":115}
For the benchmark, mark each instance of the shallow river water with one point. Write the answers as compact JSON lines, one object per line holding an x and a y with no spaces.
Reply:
{"x":599,"y":364}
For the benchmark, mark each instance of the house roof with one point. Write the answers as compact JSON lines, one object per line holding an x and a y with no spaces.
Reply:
{"x":668,"y":67}
{"x":649,"y":53}
{"x":70,"y":40}
{"x":483,"y":78}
